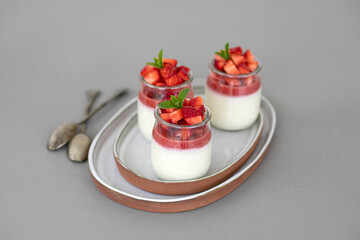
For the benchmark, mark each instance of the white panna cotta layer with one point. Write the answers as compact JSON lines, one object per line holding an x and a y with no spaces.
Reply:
{"x":232,"y":112}
{"x":180,"y":164}
{"x":146,"y":119}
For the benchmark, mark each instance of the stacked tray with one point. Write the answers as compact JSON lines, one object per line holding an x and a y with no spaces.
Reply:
{"x":120,"y":148}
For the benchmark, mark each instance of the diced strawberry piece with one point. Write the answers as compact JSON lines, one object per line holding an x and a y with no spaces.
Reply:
{"x":203,"y":117}
{"x":169,"y":110}
{"x":243,"y":70}
{"x":219,"y":64}
{"x":173,"y":80}
{"x":194,"y":120}
{"x":165,"y":116}
{"x":218,"y":58}
{"x":252,"y":66}
{"x":152,"y":77}
{"x":160,"y":84}
{"x":183,"y":75}
{"x":146,"y":70}
{"x":176,"y":115}
{"x":237,"y":58}
{"x":170,"y":60}
{"x":187,"y":70}
{"x":190,"y":112}
{"x":200,"y":108}
{"x":249,"y":56}
{"x":237,"y":49}
{"x":196,"y":101}
{"x":181,"y":122}
{"x":232,"y":82}
{"x":168,"y":70}
{"x":230,"y":68}
{"x":242,"y":65}
{"x":186,"y":102}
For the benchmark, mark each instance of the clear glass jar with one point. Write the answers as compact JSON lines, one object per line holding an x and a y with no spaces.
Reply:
{"x":150,"y":96}
{"x":234,"y":100}
{"x":181,"y":152}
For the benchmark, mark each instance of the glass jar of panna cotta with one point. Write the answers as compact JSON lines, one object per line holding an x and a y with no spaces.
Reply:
{"x":234,"y":100}
{"x":181,"y":152}
{"x":150,"y":96}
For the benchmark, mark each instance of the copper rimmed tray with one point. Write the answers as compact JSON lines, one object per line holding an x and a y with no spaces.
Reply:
{"x":229,"y":153}
{"x":112,"y":184}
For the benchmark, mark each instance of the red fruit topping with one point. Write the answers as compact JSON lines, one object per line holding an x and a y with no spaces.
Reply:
{"x":152,"y":77}
{"x":252,"y":66}
{"x":169,"y":110}
{"x":237,"y":49}
{"x":146,"y":70}
{"x":194,"y":120}
{"x":230,"y":68}
{"x":190,"y":112}
{"x":218,"y":58}
{"x":237,"y":59}
{"x":160,"y":84}
{"x":249,"y":56}
{"x":176,"y":115}
{"x":181,"y":122}
{"x":168,"y":70}
{"x":242,"y":65}
{"x":187,"y":70}
{"x":219,"y":64}
{"x":186,"y":102}
{"x":173,"y":80}
{"x":196,"y":101}
{"x":237,"y":63}
{"x":165,"y":116}
{"x":183,"y":75}
{"x":200,"y":108}
{"x":170,"y":60}
{"x":243,"y":70}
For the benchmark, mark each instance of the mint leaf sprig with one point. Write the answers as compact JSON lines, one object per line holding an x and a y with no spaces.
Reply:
{"x":225,"y":54}
{"x":158,"y":62}
{"x":175,"y":102}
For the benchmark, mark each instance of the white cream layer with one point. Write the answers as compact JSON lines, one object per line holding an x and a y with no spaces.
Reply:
{"x":232,"y":112}
{"x":180,"y":164}
{"x":146,"y":119}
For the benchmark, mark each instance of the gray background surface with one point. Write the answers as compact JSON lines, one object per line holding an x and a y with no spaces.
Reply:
{"x":52,"y":51}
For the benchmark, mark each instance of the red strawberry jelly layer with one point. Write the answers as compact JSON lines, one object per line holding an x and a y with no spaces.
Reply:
{"x":152,"y":96}
{"x":233,"y":86}
{"x":183,"y":138}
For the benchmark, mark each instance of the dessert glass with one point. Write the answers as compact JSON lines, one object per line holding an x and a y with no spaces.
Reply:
{"x":150,"y":96}
{"x":234,"y":100}
{"x":181,"y":152}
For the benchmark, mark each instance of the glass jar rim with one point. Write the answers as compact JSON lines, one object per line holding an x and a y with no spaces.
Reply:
{"x":187,"y":82}
{"x":214,"y":69}
{"x":206,"y":119}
